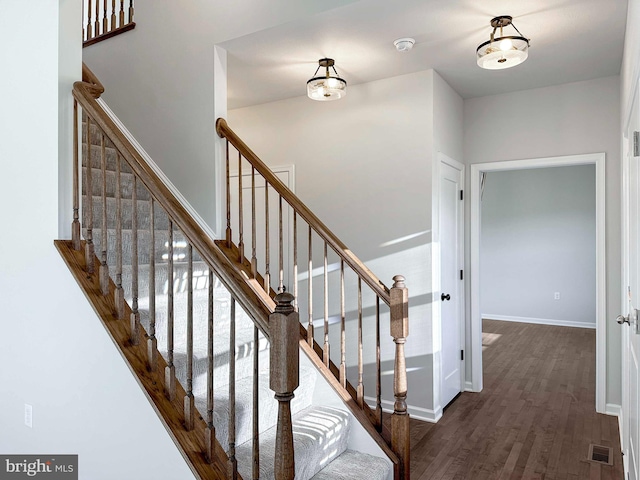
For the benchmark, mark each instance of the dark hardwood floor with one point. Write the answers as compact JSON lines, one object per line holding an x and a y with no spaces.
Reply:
{"x":534,"y":419}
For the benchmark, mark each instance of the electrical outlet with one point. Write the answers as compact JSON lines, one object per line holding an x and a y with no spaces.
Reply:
{"x":28,"y":415}
{"x":556,"y":296}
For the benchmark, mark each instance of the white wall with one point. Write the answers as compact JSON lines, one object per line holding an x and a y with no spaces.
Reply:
{"x":363,"y":165}
{"x":567,"y":119}
{"x":55,"y":355}
{"x":538,"y":237}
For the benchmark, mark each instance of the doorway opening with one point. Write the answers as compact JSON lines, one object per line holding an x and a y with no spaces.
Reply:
{"x":475,"y":341}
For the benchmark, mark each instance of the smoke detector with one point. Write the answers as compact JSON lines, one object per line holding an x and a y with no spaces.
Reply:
{"x":404,"y":44}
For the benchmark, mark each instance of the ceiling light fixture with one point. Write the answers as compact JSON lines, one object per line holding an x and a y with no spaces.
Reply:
{"x":503,"y":51}
{"x":328,"y":87}
{"x":404,"y":44}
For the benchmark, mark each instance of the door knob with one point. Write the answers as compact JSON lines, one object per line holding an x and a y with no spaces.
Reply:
{"x":444,"y":297}
{"x":621,"y":319}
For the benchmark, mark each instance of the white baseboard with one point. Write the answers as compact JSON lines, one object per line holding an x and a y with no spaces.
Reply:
{"x":613,"y":409}
{"x":468,"y":386}
{"x":539,"y":321}
{"x":419,"y":413}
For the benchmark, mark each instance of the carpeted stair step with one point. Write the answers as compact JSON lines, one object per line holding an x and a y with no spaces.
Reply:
{"x":200,"y":278}
{"x":161,"y":220}
{"x":144,"y":239}
{"x":320,"y":434}
{"x":111,"y":155}
{"x":244,"y":338}
{"x":268,"y":406}
{"x":352,"y":465}
{"x":126,"y":185}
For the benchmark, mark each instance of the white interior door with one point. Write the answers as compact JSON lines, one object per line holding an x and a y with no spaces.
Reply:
{"x":285,"y":174}
{"x":451,"y":283}
{"x":631,"y":333}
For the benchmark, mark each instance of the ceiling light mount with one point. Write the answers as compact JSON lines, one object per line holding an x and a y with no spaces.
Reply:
{"x":504,"y":51}
{"x":328,"y":87}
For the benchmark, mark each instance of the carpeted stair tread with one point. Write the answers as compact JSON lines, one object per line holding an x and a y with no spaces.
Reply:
{"x":352,"y":465}
{"x":320,"y":434}
{"x":244,"y":338}
{"x":144,"y":242}
{"x":161,"y":220}
{"x":111,"y":156}
{"x":126,"y":184}
{"x":268,"y":406}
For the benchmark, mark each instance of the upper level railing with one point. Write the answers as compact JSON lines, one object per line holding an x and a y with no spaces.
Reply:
{"x":281,"y":230}
{"x":103,"y":19}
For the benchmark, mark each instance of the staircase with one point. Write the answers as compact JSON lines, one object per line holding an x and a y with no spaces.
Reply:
{"x":204,"y":331}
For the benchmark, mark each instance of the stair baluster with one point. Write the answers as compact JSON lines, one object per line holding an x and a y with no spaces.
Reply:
{"x":360,"y":389}
{"x":310,"y":333}
{"x":343,"y":336}
{"x":152,"y":341}
{"x":232,"y":463}
{"x":295,"y":261}
{"x":210,"y":430}
{"x":267,"y":257}
{"x":88,"y":188}
{"x":400,"y":418}
{"x":240,"y":213}
{"x":121,"y":16}
{"x":89,"y":30}
{"x":284,"y":378}
{"x":105,"y":23}
{"x":170,"y":370}
{"x":135,"y":314}
{"x":189,"y":400}
{"x":113,"y":15}
{"x":255,"y":470}
{"x":75,"y":225}
{"x":104,"y":268}
{"x":254,"y":258}
{"x":228,"y":232}
{"x":280,"y":248}
{"x":378,"y":370}
{"x":325,"y":348}
{"x":131,"y":9}
{"x":119,"y":293}
{"x":97,"y":20}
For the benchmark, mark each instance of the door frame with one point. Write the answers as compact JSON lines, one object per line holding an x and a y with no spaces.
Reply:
{"x":436,"y":304}
{"x":475,"y":320}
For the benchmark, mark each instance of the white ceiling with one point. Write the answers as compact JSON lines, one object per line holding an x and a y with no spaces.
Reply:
{"x":571,"y":40}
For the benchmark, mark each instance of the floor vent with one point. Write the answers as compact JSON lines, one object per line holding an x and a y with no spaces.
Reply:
{"x":600,"y":454}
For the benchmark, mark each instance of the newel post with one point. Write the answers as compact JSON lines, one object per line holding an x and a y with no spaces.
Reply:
{"x":400,"y":417}
{"x":284,"y":332}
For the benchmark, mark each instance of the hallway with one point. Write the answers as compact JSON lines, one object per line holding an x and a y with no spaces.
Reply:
{"x":535,"y":418}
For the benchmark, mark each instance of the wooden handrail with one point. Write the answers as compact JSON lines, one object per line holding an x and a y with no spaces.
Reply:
{"x":86,"y":92}
{"x":224,"y":131}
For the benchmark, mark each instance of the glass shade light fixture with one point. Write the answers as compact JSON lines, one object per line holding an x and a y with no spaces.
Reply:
{"x":504,"y":51}
{"x":327,"y":87}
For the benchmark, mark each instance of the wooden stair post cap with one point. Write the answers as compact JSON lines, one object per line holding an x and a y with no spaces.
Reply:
{"x":398,"y":281}
{"x":284,"y":302}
